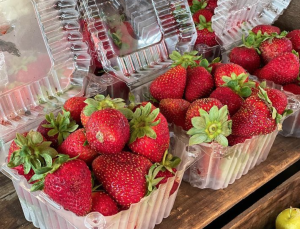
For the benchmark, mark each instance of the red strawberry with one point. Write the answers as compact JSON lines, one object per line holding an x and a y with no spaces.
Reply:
{"x":207,"y":14}
{"x":39,"y":148}
{"x":56,"y":129}
{"x":75,"y":105}
{"x":107,"y":131}
{"x":76,"y":144}
{"x":278,"y":99}
{"x":283,"y":69}
{"x":269,"y":29}
{"x":205,"y":34}
{"x":123,"y":176}
{"x":212,"y":5}
{"x":227,"y":70}
{"x":294,"y":37}
{"x":170,"y":85}
{"x":149,"y":133}
{"x":69,"y":184}
{"x":294,"y":88}
{"x":104,"y":204}
{"x":199,"y":83}
{"x":257,"y":72}
{"x":274,"y":47}
{"x":174,"y":110}
{"x":214,"y":67}
{"x":166,"y":175}
{"x":228,"y":97}
{"x":234,"y":140}
{"x":193,"y":111}
{"x":246,"y":57}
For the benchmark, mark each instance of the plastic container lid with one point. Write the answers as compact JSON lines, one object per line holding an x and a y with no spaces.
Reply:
{"x":134,"y":38}
{"x":235,"y":17}
{"x":43,"y":60}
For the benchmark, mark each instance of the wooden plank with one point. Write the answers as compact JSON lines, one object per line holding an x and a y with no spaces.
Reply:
{"x":264,"y":212}
{"x":290,"y":18}
{"x":195,"y":208}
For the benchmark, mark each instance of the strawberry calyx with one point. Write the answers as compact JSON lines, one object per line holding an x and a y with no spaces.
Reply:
{"x":216,"y":60}
{"x":212,"y":126}
{"x":169,"y":162}
{"x":254,"y":40}
{"x":34,"y":152}
{"x":238,"y":84}
{"x":203,"y":24}
{"x":142,"y":123}
{"x":198,"y":5}
{"x":150,"y":178}
{"x":42,"y":172}
{"x":205,"y":64}
{"x":100,"y":102}
{"x":62,"y":125}
{"x":185,"y":60}
{"x":132,"y":101}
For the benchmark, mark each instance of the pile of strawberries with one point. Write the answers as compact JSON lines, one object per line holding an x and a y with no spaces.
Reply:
{"x":202,"y":11}
{"x":216,"y":102}
{"x":272,"y":55}
{"x":97,"y":154}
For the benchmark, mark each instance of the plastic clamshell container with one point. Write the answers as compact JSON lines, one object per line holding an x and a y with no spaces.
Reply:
{"x":134,"y":38}
{"x":233,"y":18}
{"x":43,"y":60}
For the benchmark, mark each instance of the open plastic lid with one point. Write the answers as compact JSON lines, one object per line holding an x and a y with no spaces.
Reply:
{"x":233,"y":18}
{"x":43,"y":60}
{"x":135,"y":37}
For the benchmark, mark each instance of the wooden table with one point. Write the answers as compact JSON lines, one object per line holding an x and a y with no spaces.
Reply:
{"x":194,"y":208}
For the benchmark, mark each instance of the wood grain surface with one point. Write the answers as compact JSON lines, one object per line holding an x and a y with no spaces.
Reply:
{"x":264,"y":212}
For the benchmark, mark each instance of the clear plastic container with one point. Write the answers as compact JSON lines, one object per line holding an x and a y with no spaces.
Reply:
{"x":235,"y":17}
{"x":134,"y":38}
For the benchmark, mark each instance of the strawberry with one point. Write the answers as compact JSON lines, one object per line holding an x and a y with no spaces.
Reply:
{"x":256,"y":72}
{"x":68,"y":182}
{"x":149,"y":133}
{"x":228,"y":97}
{"x":212,"y":5}
{"x":211,"y":126}
{"x":100,"y":102}
{"x":269,"y":29}
{"x":283,"y":69}
{"x":205,"y":34}
{"x":294,"y":37}
{"x":256,"y":116}
{"x":294,"y":88}
{"x":200,"y":82}
{"x":274,"y":47}
{"x":107,"y":131}
{"x":227,"y":70}
{"x":29,"y":151}
{"x":193,"y":111}
{"x":123,"y":176}
{"x":104,"y":204}
{"x":196,"y":5}
{"x":76,"y":145}
{"x":174,"y":110}
{"x":56,"y":129}
{"x":234,"y":140}
{"x":75,"y":105}
{"x":278,"y":99}
{"x":207,"y":14}
{"x":170,"y":85}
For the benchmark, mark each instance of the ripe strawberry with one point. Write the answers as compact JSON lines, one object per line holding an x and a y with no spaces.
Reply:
{"x":100,"y":102}
{"x":104,"y":204}
{"x":205,"y":34}
{"x":76,"y":144}
{"x":107,"y":131}
{"x":56,"y":129}
{"x":274,"y":47}
{"x":75,"y":105}
{"x":68,"y":183}
{"x":193,"y":111}
{"x":227,"y":70}
{"x":174,"y":110}
{"x":283,"y":69}
{"x":228,"y":97}
{"x":269,"y":29}
{"x":170,"y":85}
{"x":256,"y":72}
{"x":123,"y":176}
{"x":199,"y":83}
{"x":234,"y":140}
{"x":212,"y":5}
{"x":207,"y":14}
{"x":294,"y":88}
{"x":149,"y":133}
{"x":255,"y":117}
{"x":278,"y":99}
{"x":29,"y":151}
{"x":166,"y":175}
{"x":214,"y":67}
{"x":294,"y":37}
{"x":196,"y":5}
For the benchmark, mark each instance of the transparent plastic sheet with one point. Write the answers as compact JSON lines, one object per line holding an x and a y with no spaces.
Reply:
{"x":233,"y":18}
{"x":45,"y":59}
{"x":153,"y":29}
